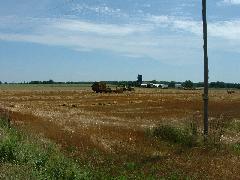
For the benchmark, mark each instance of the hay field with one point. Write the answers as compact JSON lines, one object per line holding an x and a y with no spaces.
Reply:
{"x":117,"y":124}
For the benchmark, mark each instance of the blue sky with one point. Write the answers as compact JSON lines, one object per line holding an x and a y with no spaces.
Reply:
{"x":92,"y":40}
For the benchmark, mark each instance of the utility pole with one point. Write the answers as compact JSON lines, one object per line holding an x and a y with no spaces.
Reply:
{"x":206,"y":71}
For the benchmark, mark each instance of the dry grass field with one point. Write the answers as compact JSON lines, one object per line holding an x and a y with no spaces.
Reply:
{"x":119,"y":125}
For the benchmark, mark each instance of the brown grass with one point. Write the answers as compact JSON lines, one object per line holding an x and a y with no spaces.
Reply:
{"x":116,"y":124}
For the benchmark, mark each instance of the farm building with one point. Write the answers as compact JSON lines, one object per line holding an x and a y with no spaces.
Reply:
{"x":152,"y":85}
{"x":145,"y":85}
{"x":163,"y":86}
{"x":156,"y":85}
{"x":178,"y":86}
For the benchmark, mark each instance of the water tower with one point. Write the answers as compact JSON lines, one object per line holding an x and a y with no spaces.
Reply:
{"x":139,"y":79}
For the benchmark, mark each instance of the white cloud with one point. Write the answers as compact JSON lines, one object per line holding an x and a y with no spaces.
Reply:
{"x":132,"y":40}
{"x":229,"y":30}
{"x":99,"y":9}
{"x":165,"y":49}
{"x":176,"y":24}
{"x":229,"y":2}
{"x":181,"y":38}
{"x":226,"y":29}
{"x":98,"y":28}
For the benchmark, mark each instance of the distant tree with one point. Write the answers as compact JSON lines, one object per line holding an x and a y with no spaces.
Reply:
{"x":35,"y":82}
{"x":51,"y":81}
{"x":154,"y":81}
{"x":163,"y":82}
{"x":199,"y":84}
{"x":217,"y":85}
{"x":188,"y":84}
{"x":172,"y":84}
{"x":0,"y":82}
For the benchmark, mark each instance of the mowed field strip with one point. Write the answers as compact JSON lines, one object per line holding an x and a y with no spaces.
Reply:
{"x":75,"y":115}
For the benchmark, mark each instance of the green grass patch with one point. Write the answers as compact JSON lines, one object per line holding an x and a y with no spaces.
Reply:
{"x":23,"y":156}
{"x":26,"y":158}
{"x":236,"y":148}
{"x":233,"y":126}
{"x":184,"y":136}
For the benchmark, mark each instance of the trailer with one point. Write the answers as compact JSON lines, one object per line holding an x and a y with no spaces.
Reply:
{"x":101,"y":87}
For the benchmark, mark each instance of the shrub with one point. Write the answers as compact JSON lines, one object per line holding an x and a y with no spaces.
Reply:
{"x":183,"y":136}
{"x":7,"y":150}
{"x":188,"y":84}
{"x":236,"y":148}
{"x":9,"y":143}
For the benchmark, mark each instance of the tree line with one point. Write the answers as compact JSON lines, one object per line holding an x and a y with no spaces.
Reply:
{"x":171,"y":84}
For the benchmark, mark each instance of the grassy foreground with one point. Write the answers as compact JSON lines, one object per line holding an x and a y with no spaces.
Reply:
{"x":25,"y":157}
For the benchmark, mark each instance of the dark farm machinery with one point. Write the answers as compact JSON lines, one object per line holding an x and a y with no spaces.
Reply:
{"x":101,"y":87}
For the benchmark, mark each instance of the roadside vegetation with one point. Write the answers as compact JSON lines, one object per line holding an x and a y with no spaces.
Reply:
{"x":184,"y":136}
{"x":24,"y":156}
{"x":222,"y":132}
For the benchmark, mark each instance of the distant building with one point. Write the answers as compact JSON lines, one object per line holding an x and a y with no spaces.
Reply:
{"x":144,"y":85}
{"x":163,"y":86}
{"x":152,"y":85}
{"x":139,"y":79}
{"x":178,"y":86}
{"x":156,"y":85}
